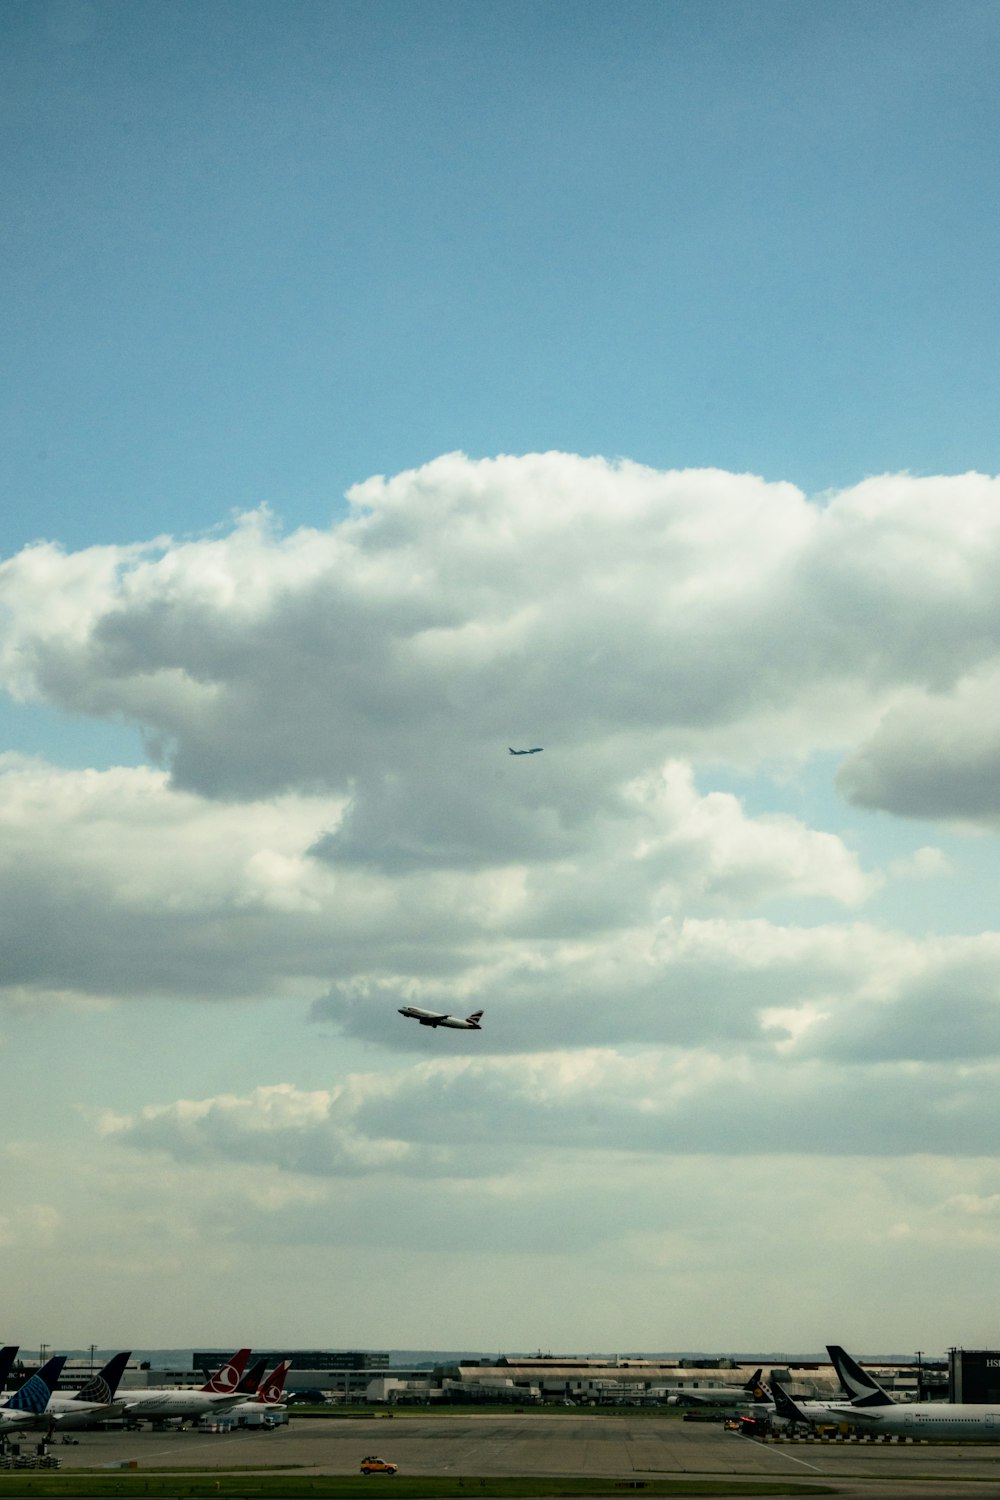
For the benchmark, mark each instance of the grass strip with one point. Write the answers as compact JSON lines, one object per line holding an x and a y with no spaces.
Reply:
{"x":83,"y":1486}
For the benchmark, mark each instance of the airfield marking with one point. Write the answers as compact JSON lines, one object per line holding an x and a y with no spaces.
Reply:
{"x":790,"y":1456}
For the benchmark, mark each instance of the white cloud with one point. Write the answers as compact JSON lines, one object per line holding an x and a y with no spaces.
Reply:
{"x":689,"y":1022}
{"x":623,"y":615}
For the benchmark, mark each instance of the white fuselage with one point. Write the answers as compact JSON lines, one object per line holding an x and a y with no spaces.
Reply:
{"x":434,"y":1018}
{"x":713,"y":1395}
{"x":818,"y":1411}
{"x":952,"y":1420}
{"x":68,"y":1414}
{"x":256,"y":1408}
{"x":166,"y":1402}
{"x":11,"y":1417}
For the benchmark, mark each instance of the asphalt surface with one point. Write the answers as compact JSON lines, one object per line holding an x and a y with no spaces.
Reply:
{"x":621,"y":1448}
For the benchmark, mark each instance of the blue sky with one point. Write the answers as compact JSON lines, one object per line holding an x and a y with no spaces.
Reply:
{"x":392,"y":384}
{"x":256,"y":254}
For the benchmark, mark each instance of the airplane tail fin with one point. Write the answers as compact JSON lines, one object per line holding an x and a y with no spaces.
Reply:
{"x":8,"y":1354}
{"x":475,"y":1018}
{"x":104,"y":1384}
{"x":34,"y":1394}
{"x":273,"y":1387}
{"x":862,"y":1388}
{"x":755,"y":1386}
{"x":227,"y":1376}
{"x":784,"y":1406}
{"x":251,"y":1380}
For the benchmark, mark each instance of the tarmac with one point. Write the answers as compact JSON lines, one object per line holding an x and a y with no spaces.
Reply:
{"x":627,"y":1451}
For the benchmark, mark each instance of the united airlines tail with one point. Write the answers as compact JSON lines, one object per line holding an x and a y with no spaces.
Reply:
{"x":104,"y":1384}
{"x":863,"y":1389}
{"x":33,"y":1396}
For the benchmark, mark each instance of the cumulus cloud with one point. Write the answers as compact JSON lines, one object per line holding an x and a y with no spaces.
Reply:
{"x":934,"y":755}
{"x":114,"y":883}
{"x":117,"y":883}
{"x":622,"y":615}
{"x":463,"y":1118}
{"x":679,"y":956}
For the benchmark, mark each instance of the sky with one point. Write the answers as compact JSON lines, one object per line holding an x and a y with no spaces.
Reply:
{"x":389,"y":386}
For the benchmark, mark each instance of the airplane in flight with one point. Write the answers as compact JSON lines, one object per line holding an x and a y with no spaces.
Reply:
{"x":535,"y":750}
{"x":722,"y":1395}
{"x":436,"y":1018}
{"x":29,"y":1402}
{"x":164,"y":1403}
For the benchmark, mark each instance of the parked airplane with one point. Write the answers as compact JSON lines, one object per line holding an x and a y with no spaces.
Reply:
{"x":948,"y":1421}
{"x":953,"y":1421}
{"x":92,"y":1403}
{"x":162,"y":1403}
{"x":791,"y":1409}
{"x":269,"y":1393}
{"x":877,"y":1412}
{"x":722,"y":1395}
{"x":34,"y":1395}
{"x":435,"y":1018}
{"x":535,"y":750}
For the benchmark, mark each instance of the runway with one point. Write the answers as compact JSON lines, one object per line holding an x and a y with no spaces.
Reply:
{"x":621,"y":1448}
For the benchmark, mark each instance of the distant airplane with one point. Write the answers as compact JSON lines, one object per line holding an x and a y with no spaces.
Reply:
{"x":721,"y":1395}
{"x":435,"y":1018}
{"x":535,"y":750}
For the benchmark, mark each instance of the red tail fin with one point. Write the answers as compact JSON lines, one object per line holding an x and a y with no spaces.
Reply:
{"x":273,"y":1385}
{"x":227,"y":1376}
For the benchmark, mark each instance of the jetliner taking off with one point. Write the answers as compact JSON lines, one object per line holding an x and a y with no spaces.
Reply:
{"x":435,"y":1018}
{"x":535,"y":750}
